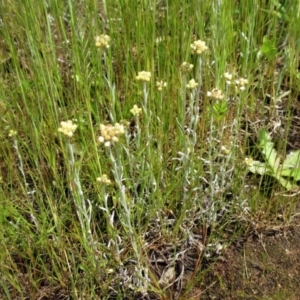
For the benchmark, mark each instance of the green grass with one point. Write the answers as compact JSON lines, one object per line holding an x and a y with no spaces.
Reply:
{"x":173,"y":187}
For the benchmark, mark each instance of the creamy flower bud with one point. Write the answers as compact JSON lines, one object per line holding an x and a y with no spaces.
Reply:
{"x":104,"y":180}
{"x":12,"y":133}
{"x":186,"y":67}
{"x":160,"y":85}
{"x":216,"y":94}
{"x":102,"y":41}
{"x":228,"y":76}
{"x":110,"y":134}
{"x":136,"y":111}
{"x":143,"y":76}
{"x":248,"y":161}
{"x":198,"y":47}
{"x":67,"y":128}
{"x":192,"y":84}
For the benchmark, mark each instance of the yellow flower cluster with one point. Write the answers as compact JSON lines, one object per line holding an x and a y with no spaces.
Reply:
{"x":110,"y":133}
{"x":102,"y":41}
{"x":216,"y":94}
{"x":248,"y":161}
{"x":186,"y":67}
{"x":228,"y":77}
{"x":198,"y":47}
{"x":160,"y":85}
{"x":239,"y":83}
{"x":136,"y":111}
{"x":192,"y":84}
{"x":143,"y":76}
{"x":104,"y":180}
{"x":12,"y":133}
{"x":225,"y":150}
{"x":67,"y":128}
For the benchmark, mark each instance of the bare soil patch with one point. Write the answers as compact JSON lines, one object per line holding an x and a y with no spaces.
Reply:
{"x":266,"y":266}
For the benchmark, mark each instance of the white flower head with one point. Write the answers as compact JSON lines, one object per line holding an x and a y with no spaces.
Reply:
{"x":225,"y":150}
{"x":228,"y":77}
{"x":104,"y":180}
{"x":240,"y":83}
{"x":67,"y":128}
{"x":198,"y":47}
{"x":192,"y":84}
{"x":186,"y":67}
{"x":101,"y":139}
{"x":243,"y":81}
{"x":160,"y":85}
{"x":110,"y":133}
{"x":119,"y":129}
{"x":12,"y":133}
{"x":249,"y":161}
{"x":102,"y":41}
{"x":216,"y":94}
{"x":143,"y":76}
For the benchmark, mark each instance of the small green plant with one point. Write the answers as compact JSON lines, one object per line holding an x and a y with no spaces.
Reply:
{"x":287,"y":172}
{"x":268,"y":48}
{"x":220,"y":109}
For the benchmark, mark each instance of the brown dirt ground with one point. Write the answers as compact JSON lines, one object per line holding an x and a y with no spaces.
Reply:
{"x":266,"y":266}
